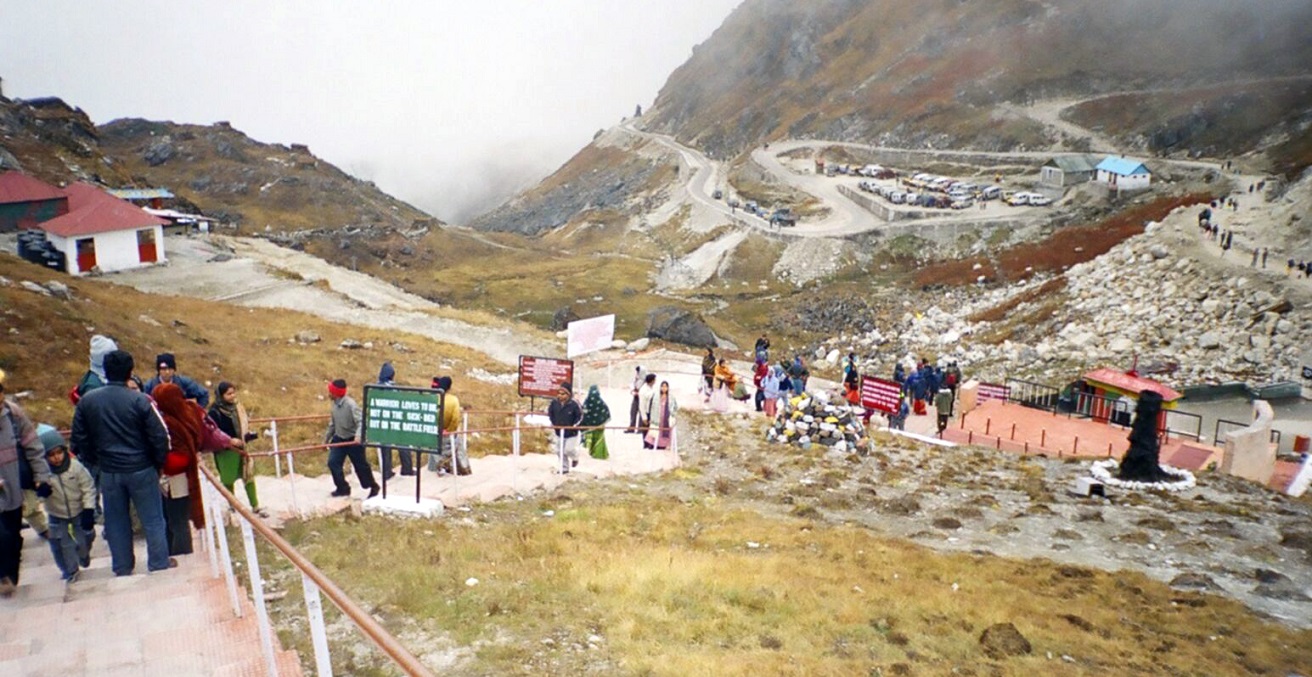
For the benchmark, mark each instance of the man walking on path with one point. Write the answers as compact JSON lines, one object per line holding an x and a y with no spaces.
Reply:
{"x":119,"y":431}
{"x":20,"y":447}
{"x":634,"y":416}
{"x":345,"y":426}
{"x":943,"y":406}
{"x":566,"y":415}
{"x":1264,"y":253}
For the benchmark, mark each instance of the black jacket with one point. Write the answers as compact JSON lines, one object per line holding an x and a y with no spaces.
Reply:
{"x":118,"y":430}
{"x":567,"y":414}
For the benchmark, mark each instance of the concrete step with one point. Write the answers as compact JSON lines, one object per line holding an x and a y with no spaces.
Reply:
{"x":174,"y":622}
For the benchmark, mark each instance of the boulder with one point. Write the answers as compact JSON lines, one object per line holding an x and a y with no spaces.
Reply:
{"x":307,"y":336}
{"x":59,"y":289}
{"x":563,"y":317}
{"x":1003,"y":640}
{"x":638,"y":345}
{"x":351,"y":344}
{"x":619,"y":344}
{"x":677,"y":325}
{"x":34,"y":287}
{"x":1209,"y":340}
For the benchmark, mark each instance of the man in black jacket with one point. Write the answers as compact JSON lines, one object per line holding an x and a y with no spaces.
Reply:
{"x":120,"y":431}
{"x":565,"y":415}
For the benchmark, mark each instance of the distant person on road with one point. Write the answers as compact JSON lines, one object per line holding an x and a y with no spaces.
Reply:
{"x":1289,"y":267}
{"x":22,"y":459}
{"x":565,"y":415}
{"x":230,"y":416}
{"x":798,"y":373}
{"x":761,"y":351}
{"x":595,"y":415}
{"x":1264,"y":254}
{"x":759,"y":372}
{"x":122,"y":433}
{"x":1253,"y":263}
{"x":167,"y":372}
{"x":344,"y":426}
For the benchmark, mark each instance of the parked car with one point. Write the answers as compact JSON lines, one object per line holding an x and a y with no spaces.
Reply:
{"x":1037,"y":200}
{"x":733,"y":202}
{"x":750,"y":207}
{"x":911,"y":198}
{"x":717,"y":194}
{"x":897,"y":197}
{"x":783,"y":217}
{"x":962,"y":203}
{"x":1019,"y":199}
{"x":991,"y":193}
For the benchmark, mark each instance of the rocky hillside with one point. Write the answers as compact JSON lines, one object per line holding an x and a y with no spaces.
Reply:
{"x":603,"y":180}
{"x":55,"y":142}
{"x":259,"y":186}
{"x":944,"y":73}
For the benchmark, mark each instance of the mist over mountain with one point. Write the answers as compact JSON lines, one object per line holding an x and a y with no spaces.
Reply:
{"x":935,"y":73}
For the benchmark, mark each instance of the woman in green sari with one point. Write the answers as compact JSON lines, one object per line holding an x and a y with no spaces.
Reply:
{"x":595,"y":415}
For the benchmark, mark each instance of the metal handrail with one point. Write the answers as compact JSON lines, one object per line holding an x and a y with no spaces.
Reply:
{"x":315,"y":581}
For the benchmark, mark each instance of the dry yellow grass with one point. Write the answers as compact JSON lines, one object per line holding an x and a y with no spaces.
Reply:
{"x":677,"y":588}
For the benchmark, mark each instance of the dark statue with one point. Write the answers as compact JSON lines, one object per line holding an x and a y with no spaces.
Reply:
{"x":1140,"y":463}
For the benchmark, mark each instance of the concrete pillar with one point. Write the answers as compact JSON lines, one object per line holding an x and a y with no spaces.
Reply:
{"x":1248,"y":452}
{"x":967,"y":397}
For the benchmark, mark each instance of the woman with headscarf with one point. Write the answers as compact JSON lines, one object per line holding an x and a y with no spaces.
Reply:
{"x":179,"y":477}
{"x":595,"y":415}
{"x":230,"y":416}
{"x":664,"y":408}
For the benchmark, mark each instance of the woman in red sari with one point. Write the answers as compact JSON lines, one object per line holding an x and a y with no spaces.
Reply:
{"x":180,"y":476}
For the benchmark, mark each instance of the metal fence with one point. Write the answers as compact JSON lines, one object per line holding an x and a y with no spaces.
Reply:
{"x":313,"y":581}
{"x":1224,"y":426}
{"x":1033,"y":395}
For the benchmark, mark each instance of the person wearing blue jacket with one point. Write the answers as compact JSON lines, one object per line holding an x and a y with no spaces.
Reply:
{"x":166,"y":371}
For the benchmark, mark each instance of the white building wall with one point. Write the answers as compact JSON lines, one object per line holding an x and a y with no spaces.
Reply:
{"x":115,"y":250}
{"x":1133,"y":182}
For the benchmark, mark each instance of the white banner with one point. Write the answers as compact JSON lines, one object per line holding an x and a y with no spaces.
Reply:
{"x":590,"y":335}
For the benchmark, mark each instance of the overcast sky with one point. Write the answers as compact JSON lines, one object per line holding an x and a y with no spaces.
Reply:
{"x":448,"y":105}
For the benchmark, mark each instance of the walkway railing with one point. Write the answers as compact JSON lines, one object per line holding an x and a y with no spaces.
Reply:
{"x":1034,"y":395}
{"x":313,"y":581}
{"x":1229,"y":425}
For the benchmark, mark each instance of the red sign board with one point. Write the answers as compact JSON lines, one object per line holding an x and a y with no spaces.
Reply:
{"x":992,"y":391}
{"x":879,"y":394}
{"x":543,"y":376}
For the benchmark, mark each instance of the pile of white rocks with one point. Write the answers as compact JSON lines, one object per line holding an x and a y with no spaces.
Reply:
{"x":812,"y":419}
{"x":1140,"y":300}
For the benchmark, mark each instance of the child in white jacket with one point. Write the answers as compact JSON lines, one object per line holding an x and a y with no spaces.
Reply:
{"x":71,"y":505}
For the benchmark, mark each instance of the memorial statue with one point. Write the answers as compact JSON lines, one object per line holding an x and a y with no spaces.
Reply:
{"x":1140,"y":463}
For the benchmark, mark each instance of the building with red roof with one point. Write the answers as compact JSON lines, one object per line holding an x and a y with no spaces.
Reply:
{"x":103,"y":232}
{"x":25,"y":202}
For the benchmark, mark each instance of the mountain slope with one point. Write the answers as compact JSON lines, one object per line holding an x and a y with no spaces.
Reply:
{"x":934,"y":73}
{"x":259,"y":185}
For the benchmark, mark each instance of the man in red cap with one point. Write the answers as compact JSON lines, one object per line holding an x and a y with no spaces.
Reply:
{"x":345,"y":426}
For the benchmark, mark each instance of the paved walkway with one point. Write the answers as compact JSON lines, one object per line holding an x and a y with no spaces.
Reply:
{"x":175,"y":622}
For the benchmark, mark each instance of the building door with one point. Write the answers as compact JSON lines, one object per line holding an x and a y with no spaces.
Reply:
{"x":146,"y":250}
{"x":86,"y":254}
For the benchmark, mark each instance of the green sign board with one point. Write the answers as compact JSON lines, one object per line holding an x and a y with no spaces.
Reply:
{"x":405,"y":418}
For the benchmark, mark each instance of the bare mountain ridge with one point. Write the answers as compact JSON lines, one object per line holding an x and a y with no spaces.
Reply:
{"x":214,"y":169}
{"x":1181,"y":77}
{"x":935,"y":73}
{"x":260,"y":186}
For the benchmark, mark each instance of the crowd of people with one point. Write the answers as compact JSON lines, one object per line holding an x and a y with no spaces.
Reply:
{"x":1225,"y":239}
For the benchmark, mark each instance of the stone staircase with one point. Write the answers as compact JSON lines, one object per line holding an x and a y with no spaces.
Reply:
{"x":175,"y":622}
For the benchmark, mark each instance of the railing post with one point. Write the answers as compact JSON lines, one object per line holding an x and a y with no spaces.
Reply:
{"x":323,"y":661}
{"x":207,"y":534}
{"x":220,"y":534}
{"x":291,"y":483}
{"x":514,"y":445}
{"x":257,"y":592}
{"x":674,"y":444}
{"x":560,"y":451}
{"x":277,"y":462}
